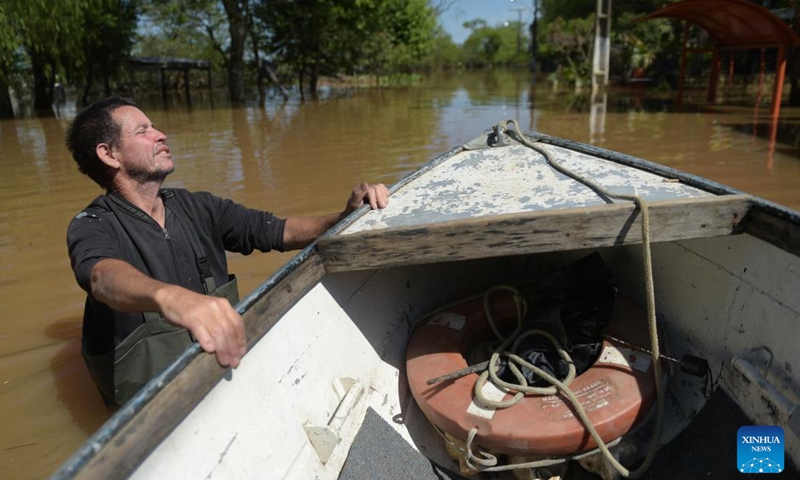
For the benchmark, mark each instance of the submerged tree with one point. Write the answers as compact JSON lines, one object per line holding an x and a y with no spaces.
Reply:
{"x":315,"y":38}
{"x":223,"y":27}
{"x":69,"y":41}
{"x":194,"y":29}
{"x":107,"y":40}
{"x":50,"y":34}
{"x":569,"y":43}
{"x":494,"y":46}
{"x":9,"y":46}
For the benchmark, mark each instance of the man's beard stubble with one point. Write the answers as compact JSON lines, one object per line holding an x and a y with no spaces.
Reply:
{"x":145,"y":176}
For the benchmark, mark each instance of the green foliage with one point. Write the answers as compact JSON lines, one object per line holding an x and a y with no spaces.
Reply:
{"x":197,"y":30}
{"x":569,"y":43}
{"x":444,"y":53}
{"x":9,"y":48}
{"x":314,"y":38}
{"x":639,"y":44}
{"x":192,"y":29}
{"x":9,"y":42}
{"x":109,"y":29}
{"x":411,"y":26}
{"x":567,"y":29}
{"x":68,"y":41}
{"x":551,"y":10}
{"x":50,"y":36}
{"x":487,"y":46}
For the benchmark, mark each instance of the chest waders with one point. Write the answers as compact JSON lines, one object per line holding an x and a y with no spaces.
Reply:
{"x":154,"y":344}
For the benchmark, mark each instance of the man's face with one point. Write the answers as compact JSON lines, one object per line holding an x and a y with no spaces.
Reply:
{"x":143,"y":152}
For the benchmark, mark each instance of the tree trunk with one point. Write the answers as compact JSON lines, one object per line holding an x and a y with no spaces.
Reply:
{"x":273,"y":78}
{"x":237,"y":26}
{"x":262,"y":94}
{"x":87,"y":89}
{"x":42,"y":87}
{"x":300,"y":78}
{"x":313,"y":81}
{"x":794,"y":76}
{"x":6,"y":109}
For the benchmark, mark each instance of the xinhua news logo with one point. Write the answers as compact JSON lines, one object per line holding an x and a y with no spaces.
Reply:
{"x":760,"y":449}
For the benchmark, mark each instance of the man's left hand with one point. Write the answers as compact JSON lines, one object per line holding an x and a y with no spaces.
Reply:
{"x":376,"y":195}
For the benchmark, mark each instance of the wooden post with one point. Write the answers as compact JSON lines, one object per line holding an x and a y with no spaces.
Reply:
{"x":163,"y":87}
{"x":780,"y":74}
{"x":777,"y":93}
{"x":210,"y":90}
{"x":682,"y":78}
{"x":602,"y":46}
{"x":729,"y":82}
{"x":132,"y":77}
{"x":713,"y":78}
{"x":758,"y":100}
{"x":186,"y":87}
{"x":760,"y":78}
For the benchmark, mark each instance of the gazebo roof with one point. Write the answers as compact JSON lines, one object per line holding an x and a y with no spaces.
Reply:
{"x":731,"y":23}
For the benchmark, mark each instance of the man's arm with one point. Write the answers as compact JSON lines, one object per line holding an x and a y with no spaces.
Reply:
{"x":211,"y":320}
{"x":301,"y":231}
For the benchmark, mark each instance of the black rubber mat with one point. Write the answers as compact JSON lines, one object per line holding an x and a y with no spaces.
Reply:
{"x":379,"y":452}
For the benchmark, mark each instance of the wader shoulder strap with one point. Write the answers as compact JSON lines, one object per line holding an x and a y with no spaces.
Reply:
{"x":200,"y":257}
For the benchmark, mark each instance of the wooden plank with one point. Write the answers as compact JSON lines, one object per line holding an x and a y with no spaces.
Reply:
{"x":533,"y":232}
{"x":779,"y":228}
{"x":120,"y":456}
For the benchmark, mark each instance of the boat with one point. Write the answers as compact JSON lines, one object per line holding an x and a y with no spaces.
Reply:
{"x":708,"y":273}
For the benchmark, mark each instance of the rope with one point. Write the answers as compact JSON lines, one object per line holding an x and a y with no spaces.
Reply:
{"x":562,"y":386}
{"x":512,"y":359}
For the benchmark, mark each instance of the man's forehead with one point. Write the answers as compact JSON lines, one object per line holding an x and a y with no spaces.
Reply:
{"x":130,"y":117}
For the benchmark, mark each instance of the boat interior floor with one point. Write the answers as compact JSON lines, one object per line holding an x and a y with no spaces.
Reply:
{"x":378,"y":451}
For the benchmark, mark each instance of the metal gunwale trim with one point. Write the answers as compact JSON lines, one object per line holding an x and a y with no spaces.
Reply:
{"x":711,"y":186}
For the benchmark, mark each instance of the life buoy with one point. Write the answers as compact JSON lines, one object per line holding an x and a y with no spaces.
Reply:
{"x":616,"y":392}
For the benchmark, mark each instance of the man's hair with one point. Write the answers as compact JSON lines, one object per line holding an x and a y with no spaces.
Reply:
{"x":92,"y":126}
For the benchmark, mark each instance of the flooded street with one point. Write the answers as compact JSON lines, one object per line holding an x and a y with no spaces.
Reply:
{"x":300,"y":159}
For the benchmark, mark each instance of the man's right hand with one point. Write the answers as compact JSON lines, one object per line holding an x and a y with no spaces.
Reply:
{"x":211,"y":320}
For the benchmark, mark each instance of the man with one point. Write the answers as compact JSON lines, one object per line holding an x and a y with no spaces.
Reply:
{"x":152,"y":260}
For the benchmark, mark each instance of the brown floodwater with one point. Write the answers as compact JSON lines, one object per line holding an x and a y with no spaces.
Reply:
{"x":298,"y":158}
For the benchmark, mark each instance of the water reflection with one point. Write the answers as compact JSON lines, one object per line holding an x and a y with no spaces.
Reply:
{"x":298,"y":158}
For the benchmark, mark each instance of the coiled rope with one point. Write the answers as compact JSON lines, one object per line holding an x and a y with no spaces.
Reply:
{"x":563,"y":386}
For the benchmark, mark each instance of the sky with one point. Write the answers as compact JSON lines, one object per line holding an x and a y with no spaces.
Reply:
{"x":495,"y":12}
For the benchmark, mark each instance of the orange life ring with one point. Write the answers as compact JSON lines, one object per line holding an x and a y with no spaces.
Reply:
{"x":616,"y":392}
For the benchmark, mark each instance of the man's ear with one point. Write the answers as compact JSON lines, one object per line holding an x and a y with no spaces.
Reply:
{"x":107,"y":155}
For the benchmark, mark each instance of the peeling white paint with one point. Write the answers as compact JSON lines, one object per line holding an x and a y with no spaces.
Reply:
{"x":513,"y":179}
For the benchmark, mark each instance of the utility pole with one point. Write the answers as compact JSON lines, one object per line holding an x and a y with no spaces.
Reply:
{"x":534,"y":42}
{"x":602,"y":45}
{"x":602,"y":48}
{"x":519,"y":28}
